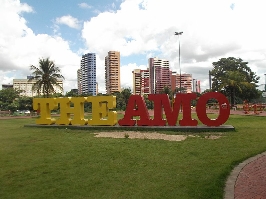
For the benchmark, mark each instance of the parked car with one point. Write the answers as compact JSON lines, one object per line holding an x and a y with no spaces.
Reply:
{"x":27,"y":112}
{"x":23,"y":112}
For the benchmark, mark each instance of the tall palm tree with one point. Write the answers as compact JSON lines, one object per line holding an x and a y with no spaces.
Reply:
{"x":46,"y":76}
{"x":233,"y":81}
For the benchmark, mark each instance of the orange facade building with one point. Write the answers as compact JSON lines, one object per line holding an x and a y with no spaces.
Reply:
{"x":112,"y":72}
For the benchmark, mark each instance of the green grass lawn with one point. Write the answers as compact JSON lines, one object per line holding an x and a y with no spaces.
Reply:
{"x":63,"y":163}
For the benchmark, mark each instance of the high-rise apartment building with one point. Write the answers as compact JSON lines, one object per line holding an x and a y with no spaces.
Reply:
{"x":160,"y":75}
{"x":141,"y":81}
{"x":186,"y":82}
{"x":197,"y":86}
{"x":87,"y":74}
{"x":112,"y":72}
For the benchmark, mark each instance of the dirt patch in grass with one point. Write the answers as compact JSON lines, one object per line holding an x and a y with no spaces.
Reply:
{"x":212,"y":137}
{"x":147,"y":135}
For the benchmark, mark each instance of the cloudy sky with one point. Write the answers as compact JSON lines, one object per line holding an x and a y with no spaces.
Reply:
{"x":140,"y":29}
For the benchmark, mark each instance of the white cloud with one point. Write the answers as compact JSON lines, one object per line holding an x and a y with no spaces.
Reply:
{"x":69,"y":21}
{"x":126,"y":74}
{"x":20,"y":47}
{"x":126,"y":78}
{"x":113,"y":5}
{"x":84,"y":5}
{"x":16,"y":6}
{"x":212,"y":30}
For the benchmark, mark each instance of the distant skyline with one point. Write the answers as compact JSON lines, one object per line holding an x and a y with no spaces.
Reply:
{"x":138,"y":29}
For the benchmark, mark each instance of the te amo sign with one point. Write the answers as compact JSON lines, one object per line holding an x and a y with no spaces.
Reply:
{"x":72,"y":110}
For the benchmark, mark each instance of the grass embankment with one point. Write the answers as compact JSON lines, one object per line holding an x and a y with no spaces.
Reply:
{"x":63,"y":163}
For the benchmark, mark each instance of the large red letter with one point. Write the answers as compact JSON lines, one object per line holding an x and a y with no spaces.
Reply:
{"x":159,"y":100}
{"x":224,"y":109}
{"x":186,"y":103}
{"x":135,"y":107}
{"x":162,"y":101}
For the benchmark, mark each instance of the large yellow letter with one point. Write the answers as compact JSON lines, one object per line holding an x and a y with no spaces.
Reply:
{"x":66,"y":110}
{"x":78,"y":111}
{"x":100,"y":110}
{"x":44,"y":105}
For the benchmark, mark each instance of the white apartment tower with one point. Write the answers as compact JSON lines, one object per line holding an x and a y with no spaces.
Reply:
{"x":87,"y":74}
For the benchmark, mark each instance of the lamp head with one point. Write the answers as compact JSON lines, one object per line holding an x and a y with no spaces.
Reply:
{"x":178,"y":33}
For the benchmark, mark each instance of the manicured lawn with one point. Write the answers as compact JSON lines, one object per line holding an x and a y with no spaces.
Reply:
{"x":63,"y":163}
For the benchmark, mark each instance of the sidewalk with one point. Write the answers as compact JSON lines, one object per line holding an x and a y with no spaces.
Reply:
{"x":248,"y":179}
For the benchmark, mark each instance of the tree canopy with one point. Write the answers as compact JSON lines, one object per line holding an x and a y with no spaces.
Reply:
{"x":122,"y":98}
{"x":46,"y":76}
{"x":232,"y":76}
{"x":8,"y":99}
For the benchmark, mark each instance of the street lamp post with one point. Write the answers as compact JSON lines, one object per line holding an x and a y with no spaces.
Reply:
{"x":179,"y":33}
{"x":194,"y":85}
{"x":265,"y":83}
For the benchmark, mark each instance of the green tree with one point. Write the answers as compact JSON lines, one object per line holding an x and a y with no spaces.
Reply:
{"x":149,"y":104}
{"x":122,"y":98}
{"x":71,"y":93}
{"x":25,"y":103}
{"x":46,"y":76}
{"x":120,"y":103}
{"x":231,"y":76}
{"x":56,"y":95}
{"x":87,"y":105}
{"x":248,"y":94}
{"x":177,"y":90}
{"x":8,"y":97}
{"x":167,"y":90}
{"x":13,"y":106}
{"x":126,"y":92}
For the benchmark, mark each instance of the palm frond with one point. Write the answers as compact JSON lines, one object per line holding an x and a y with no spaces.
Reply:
{"x":46,"y":76}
